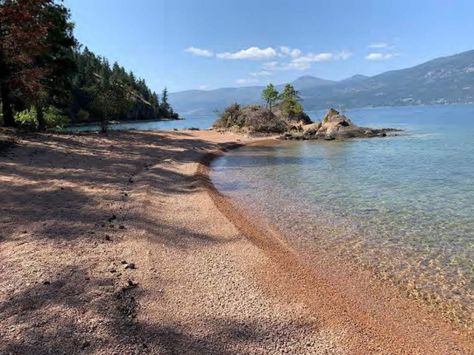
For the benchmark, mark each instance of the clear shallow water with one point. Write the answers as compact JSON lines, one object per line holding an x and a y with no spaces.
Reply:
{"x":201,"y":122}
{"x":403,"y":206}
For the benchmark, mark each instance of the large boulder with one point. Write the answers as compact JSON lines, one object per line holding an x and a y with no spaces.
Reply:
{"x":335,"y":125}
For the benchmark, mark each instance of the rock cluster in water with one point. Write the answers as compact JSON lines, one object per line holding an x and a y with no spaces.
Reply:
{"x":334,"y":126}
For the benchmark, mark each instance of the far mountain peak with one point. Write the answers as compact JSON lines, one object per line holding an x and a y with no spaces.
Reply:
{"x":307,"y":81}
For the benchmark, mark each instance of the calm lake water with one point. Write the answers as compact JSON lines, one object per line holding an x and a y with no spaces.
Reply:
{"x":201,"y":122}
{"x":402,"y":206}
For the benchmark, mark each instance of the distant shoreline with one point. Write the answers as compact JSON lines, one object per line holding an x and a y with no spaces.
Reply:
{"x":345,"y":109}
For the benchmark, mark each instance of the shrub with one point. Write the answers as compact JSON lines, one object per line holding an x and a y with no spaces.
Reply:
{"x":252,"y":118}
{"x":52,"y":116}
{"x":27,"y":119}
{"x":261,"y":120}
{"x":83,"y":115}
{"x":231,"y":117}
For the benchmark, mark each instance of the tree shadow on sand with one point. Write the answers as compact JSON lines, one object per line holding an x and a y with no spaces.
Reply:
{"x":59,"y":190}
{"x":46,"y":316}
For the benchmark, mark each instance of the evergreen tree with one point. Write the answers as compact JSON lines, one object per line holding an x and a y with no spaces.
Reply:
{"x":270,"y":95}
{"x":111,"y":101}
{"x":43,"y":71}
{"x":22,"y":39}
{"x":290,"y":104}
{"x":57,"y":60}
{"x":164,"y":106}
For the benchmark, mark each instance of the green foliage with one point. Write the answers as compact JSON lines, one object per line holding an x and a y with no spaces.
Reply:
{"x":290,"y":104}
{"x":53,"y":118}
{"x":26,"y":119}
{"x":42,"y":66}
{"x":83,"y":115}
{"x":23,"y":40}
{"x":112,"y":100}
{"x":57,"y":60}
{"x":270,"y":95}
{"x":96,"y":82}
{"x":258,"y":119}
{"x":165,"y":109}
{"x":231,"y":117}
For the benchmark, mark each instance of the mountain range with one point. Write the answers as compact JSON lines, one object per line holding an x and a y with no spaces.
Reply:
{"x":444,"y":80}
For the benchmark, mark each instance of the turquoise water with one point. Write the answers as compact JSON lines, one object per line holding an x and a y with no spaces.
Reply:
{"x":201,"y":122}
{"x":402,"y":206}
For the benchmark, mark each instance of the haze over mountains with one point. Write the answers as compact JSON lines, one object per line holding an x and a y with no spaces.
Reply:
{"x":443,"y":80}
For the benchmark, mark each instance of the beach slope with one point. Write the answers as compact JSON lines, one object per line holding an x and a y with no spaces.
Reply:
{"x":120,"y":244}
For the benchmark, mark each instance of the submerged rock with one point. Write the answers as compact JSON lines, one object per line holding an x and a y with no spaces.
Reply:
{"x":337,"y":126}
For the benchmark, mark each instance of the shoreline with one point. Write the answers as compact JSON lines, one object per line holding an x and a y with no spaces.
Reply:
{"x":114,"y":123}
{"x":210,"y":278}
{"x":307,"y":250}
{"x":270,"y":239}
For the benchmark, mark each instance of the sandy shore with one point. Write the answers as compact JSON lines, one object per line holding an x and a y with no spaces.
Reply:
{"x":120,"y":244}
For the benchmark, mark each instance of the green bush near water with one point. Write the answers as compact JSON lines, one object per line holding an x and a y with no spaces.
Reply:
{"x":52,"y":116}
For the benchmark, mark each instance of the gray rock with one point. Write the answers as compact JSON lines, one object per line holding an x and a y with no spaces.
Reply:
{"x":337,"y":126}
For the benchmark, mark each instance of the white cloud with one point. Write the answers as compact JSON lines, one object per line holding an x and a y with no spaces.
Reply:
{"x":250,"y":53}
{"x":292,"y":52}
{"x":199,"y":52}
{"x":310,"y":58}
{"x":304,"y":62}
{"x":378,"y":56}
{"x":203,"y":87}
{"x":343,"y":55}
{"x":246,"y":81}
{"x":378,"y":45}
{"x":261,"y":73}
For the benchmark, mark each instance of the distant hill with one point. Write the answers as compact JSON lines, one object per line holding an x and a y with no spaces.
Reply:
{"x":440,"y":81}
{"x":309,"y":82}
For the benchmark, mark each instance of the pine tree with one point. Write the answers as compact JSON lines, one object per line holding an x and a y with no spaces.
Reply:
{"x":165,"y":106}
{"x":290,"y":104}
{"x":270,"y":95}
{"x":57,"y":60}
{"x":22,"y":39}
{"x":43,"y":70}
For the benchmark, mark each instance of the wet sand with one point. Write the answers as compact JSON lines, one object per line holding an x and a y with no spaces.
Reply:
{"x":121,"y":244}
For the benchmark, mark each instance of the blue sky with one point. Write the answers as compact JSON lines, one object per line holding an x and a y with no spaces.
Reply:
{"x":206,"y":44}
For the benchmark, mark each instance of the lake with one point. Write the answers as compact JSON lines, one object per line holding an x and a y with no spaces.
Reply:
{"x":201,"y":122}
{"x":402,"y":206}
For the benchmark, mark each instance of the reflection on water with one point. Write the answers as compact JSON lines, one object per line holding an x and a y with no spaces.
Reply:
{"x":402,"y":205}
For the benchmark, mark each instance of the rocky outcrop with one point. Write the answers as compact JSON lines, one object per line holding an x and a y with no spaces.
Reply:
{"x":257,"y":119}
{"x":336,"y":126}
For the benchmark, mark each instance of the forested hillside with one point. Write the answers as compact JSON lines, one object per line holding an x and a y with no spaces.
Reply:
{"x":47,"y":80}
{"x":97,"y":85}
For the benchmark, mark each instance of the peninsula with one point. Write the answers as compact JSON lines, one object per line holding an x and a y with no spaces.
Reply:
{"x":284,"y":115}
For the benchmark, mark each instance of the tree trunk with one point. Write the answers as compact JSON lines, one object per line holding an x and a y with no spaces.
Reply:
{"x":8,"y":119}
{"x":40,"y":118}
